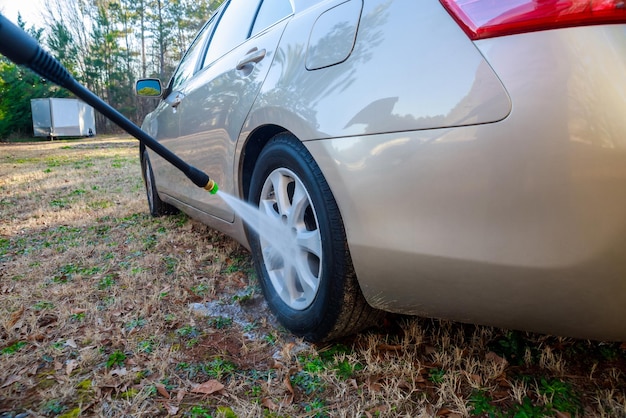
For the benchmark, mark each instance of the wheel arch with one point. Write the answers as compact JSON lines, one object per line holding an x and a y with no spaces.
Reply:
{"x":142,"y":149}
{"x":253,"y":146}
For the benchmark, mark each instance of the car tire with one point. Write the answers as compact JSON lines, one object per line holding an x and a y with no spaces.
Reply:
{"x":155,"y":204}
{"x":312,"y":290}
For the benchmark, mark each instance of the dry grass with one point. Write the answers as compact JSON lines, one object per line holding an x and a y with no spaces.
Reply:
{"x":102,"y":314}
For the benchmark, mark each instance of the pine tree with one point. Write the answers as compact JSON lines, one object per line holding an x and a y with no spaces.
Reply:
{"x":18,"y":86}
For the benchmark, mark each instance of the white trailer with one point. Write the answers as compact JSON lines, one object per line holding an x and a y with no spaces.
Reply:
{"x":55,"y":117}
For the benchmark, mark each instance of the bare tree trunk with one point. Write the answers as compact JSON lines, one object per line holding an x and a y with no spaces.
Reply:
{"x":161,"y":39}
{"x":142,"y":27}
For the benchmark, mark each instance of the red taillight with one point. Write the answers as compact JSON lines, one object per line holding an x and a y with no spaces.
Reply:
{"x":489,"y":18}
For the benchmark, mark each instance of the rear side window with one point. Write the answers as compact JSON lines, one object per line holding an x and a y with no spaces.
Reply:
{"x":271,"y":11}
{"x":187,"y":66}
{"x":232,"y":29}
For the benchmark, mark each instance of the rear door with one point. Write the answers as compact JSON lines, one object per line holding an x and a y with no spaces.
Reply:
{"x":213,"y":104}
{"x":164,"y":125}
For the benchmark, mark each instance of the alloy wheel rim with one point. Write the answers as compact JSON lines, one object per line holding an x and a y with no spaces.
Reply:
{"x":294,"y":262}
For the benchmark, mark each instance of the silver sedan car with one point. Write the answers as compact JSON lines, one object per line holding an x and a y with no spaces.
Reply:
{"x":445,"y":158}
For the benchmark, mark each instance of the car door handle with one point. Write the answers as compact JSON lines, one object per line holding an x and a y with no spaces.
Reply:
{"x":175,"y":99}
{"x":252,"y":57}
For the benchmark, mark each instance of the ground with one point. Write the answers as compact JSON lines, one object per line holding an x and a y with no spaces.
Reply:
{"x":108,"y":312}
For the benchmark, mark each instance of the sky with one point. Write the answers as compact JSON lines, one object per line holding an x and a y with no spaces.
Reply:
{"x":30,"y":10}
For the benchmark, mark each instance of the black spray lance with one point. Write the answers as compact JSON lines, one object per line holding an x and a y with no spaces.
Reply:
{"x":22,"y":49}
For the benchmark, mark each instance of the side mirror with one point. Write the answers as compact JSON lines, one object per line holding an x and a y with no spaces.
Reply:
{"x":148,"y":87}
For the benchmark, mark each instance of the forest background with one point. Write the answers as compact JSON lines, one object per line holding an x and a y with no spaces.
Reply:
{"x":106,"y":45}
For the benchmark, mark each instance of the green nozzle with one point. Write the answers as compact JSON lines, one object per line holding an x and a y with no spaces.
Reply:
{"x":211,"y":187}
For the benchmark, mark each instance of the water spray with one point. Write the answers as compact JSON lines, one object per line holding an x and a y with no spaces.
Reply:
{"x":22,"y":49}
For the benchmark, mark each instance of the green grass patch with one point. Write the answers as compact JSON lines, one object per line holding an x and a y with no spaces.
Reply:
{"x":220,"y":322}
{"x":14,"y":348}
{"x":217,"y":368}
{"x":43,"y":305}
{"x":308,"y":382}
{"x":116,"y":358}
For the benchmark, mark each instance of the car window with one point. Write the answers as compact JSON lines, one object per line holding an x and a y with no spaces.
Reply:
{"x":187,"y":66}
{"x":232,"y":29}
{"x":271,"y":11}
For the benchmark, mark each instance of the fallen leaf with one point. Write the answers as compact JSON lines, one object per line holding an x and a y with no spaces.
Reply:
{"x":109,"y":384}
{"x":403,"y":384}
{"x":10,"y":380}
{"x":429,"y":349}
{"x":389,"y":347}
{"x":7,"y":289}
{"x":37,"y":337}
{"x":15,"y":316}
{"x":161,"y":389}
{"x":208,"y":387}
{"x":89,"y":347}
{"x":70,"y":366}
{"x":286,"y":351}
{"x":373,"y":385}
{"x":71,"y":343}
{"x":46,"y":319}
{"x":495,"y":358}
{"x":269,"y":404}
{"x":443,"y":412}
{"x":500,"y":395}
{"x":474,"y":378}
{"x":289,"y":398}
{"x":287,"y":382}
{"x":378,"y":410}
{"x":503,"y":382}
{"x":277,"y":365}
{"x":171,"y":409}
{"x":623,"y":346}
{"x":29,"y":371}
{"x":61,"y":380}
{"x":559,"y":414}
{"x":180,"y":395}
{"x":119,"y":372}
{"x":76,"y":311}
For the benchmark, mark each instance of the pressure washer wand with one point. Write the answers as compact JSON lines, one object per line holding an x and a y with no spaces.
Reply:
{"x":22,"y":49}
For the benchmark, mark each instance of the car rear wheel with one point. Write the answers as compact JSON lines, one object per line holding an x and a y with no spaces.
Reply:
{"x":156,"y":205}
{"x":304,"y":267}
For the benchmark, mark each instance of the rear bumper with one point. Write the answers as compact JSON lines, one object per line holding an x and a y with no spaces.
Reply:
{"x":519,"y":223}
